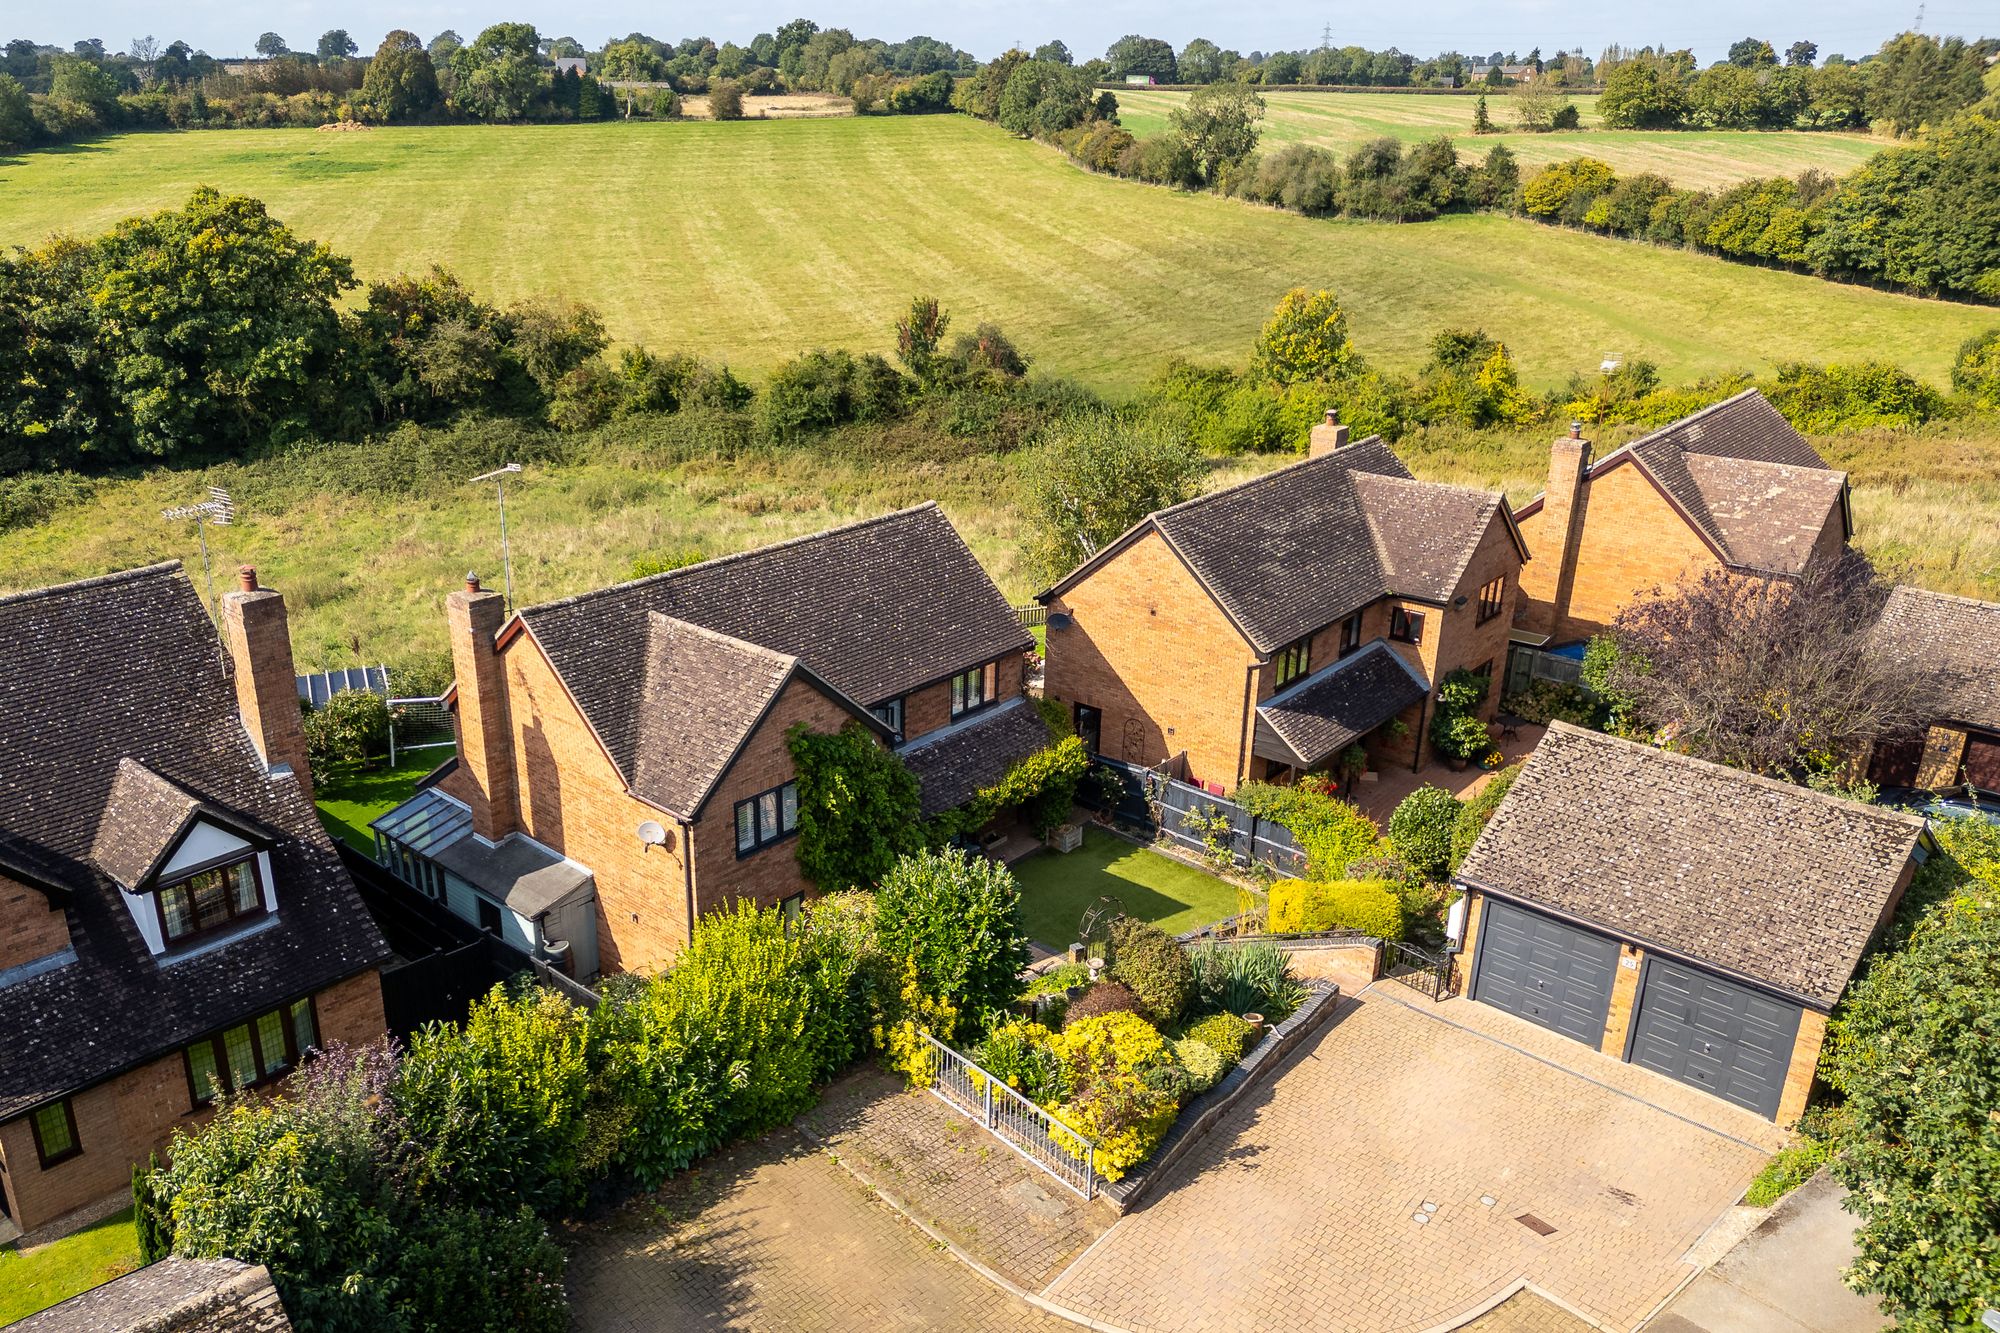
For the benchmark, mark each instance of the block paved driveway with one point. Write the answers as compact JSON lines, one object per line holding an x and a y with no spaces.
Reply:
{"x":1300,"y":1209}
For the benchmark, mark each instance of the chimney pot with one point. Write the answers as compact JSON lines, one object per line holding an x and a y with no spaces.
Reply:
{"x":1576,"y":430}
{"x":471,"y":581}
{"x":246,"y":577}
{"x":1333,"y":416}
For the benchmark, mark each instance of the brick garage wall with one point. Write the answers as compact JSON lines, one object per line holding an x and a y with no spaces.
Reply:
{"x":1150,"y":649}
{"x":772,"y":874}
{"x":30,"y":928}
{"x":1805,"y":1064}
{"x":122,"y":1121}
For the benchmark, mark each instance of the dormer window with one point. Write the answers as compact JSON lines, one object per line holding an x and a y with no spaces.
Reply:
{"x":209,"y":899}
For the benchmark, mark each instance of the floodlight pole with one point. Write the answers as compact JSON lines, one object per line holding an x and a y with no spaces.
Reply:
{"x":499,"y":479}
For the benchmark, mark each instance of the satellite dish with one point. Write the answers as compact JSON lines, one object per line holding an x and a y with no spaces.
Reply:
{"x":652,"y":834}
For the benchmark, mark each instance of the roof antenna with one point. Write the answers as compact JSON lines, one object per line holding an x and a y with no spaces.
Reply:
{"x":218,"y":509}
{"x":499,"y":479}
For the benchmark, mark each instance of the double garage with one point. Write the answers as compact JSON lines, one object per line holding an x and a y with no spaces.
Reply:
{"x":1688,"y":1023}
{"x":1692,"y":919}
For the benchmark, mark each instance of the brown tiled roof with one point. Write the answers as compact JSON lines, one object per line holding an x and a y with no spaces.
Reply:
{"x":876,"y":609}
{"x":1331,"y":709}
{"x":143,"y":821}
{"x":703,"y":694}
{"x":953,"y":764}
{"x":128,"y":667}
{"x":1294,"y":550}
{"x":1776,"y":883}
{"x":1956,"y":637}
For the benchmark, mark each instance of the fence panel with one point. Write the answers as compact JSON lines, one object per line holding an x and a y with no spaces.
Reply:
{"x":1131,"y":806}
{"x":1013,"y":1119}
{"x":1185,"y":809}
{"x":1031,"y":615}
{"x":419,"y":724}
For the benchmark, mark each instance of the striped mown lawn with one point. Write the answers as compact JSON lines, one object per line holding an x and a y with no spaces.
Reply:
{"x":1058,"y":888}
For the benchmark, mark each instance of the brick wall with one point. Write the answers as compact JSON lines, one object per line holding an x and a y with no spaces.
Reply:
{"x":928,"y":709}
{"x":1463,"y":640}
{"x":122,"y":1121}
{"x":1150,"y":649}
{"x":1632,"y":541}
{"x":485,"y":778}
{"x":267,"y":693}
{"x":1804,"y":1066}
{"x":30,"y":928}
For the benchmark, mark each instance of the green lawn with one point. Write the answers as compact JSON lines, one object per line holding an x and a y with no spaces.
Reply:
{"x":755,"y":240}
{"x":73,"y":1264}
{"x":1056,"y":890}
{"x":350,"y":799}
{"x":1695,"y":158}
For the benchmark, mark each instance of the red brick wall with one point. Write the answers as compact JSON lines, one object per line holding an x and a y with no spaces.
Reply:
{"x":485,"y":778}
{"x":1633,"y":540}
{"x":928,"y":709}
{"x":122,"y":1121}
{"x":29,"y":927}
{"x":267,"y":692}
{"x":1150,"y":648}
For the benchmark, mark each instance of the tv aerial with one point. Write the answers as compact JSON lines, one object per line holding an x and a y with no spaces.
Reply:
{"x":218,"y":509}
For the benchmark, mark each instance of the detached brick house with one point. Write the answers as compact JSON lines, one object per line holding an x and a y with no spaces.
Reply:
{"x":1263,"y":629}
{"x":627,"y":748}
{"x":174,"y":921}
{"x":1959,"y":639}
{"x":1693,"y":919}
{"x":1732,"y":486}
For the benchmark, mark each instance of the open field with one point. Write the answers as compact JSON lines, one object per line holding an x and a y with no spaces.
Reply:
{"x":754,"y":240}
{"x":1693,"y":158}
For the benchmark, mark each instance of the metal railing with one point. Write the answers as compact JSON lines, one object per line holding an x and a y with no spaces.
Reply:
{"x":1424,"y":970}
{"x":1013,"y":1119}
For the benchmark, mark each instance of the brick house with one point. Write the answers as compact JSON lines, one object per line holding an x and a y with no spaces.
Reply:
{"x":1263,"y":629}
{"x":633,"y":740}
{"x":1959,"y":639}
{"x":174,"y":921}
{"x":1693,"y":919}
{"x":1732,"y":485}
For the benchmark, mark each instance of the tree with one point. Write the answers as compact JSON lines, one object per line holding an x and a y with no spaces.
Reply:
{"x":1042,"y":99}
{"x":1781,"y":677}
{"x":920,"y":335}
{"x":335,"y":44}
{"x":1133,"y":54}
{"x":401,"y":82}
{"x":1642,"y":94}
{"x":725,"y":100}
{"x":1305,"y":340}
{"x":1536,"y":101}
{"x":1095,"y":474}
{"x":1055,"y":53}
{"x":1925,"y":217}
{"x":1482,"y":122}
{"x":499,"y":76}
{"x":1975,"y":372}
{"x":1917,"y":81}
{"x":1752,"y":53}
{"x":271,"y":46}
{"x":1730,"y":97}
{"x":1218,"y":126}
{"x":1800,"y":54}
{"x":144,"y":49}
{"x":17,"y":118}
{"x":1200,"y":61}
{"x":85,"y":84}
{"x":957,"y":916}
{"x":632,"y":59}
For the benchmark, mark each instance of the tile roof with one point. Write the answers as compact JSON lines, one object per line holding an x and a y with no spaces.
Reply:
{"x":128,"y":667}
{"x":1294,"y":550}
{"x":172,"y":1296}
{"x":875,"y":609}
{"x":143,"y":820}
{"x":1332,"y":708}
{"x":953,"y":764}
{"x":1958,"y":638}
{"x":1773,"y":882}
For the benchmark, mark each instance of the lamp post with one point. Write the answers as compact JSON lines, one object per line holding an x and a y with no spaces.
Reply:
{"x":499,"y":479}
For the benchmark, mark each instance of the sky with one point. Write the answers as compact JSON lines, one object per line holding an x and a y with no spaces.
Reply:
{"x":985,"y":27}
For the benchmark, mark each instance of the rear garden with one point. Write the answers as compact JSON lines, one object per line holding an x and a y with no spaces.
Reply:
{"x":1058,"y":888}
{"x":61,"y":1269}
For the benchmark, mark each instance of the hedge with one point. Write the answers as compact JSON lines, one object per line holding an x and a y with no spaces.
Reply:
{"x":1300,"y":906}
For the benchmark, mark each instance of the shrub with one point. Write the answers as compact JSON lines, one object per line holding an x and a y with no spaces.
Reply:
{"x":1305,"y":339}
{"x":37,"y":497}
{"x":1203,"y":1063}
{"x":1125,"y":1088}
{"x":958,"y":917}
{"x":1023,"y":1056}
{"x":1154,"y":967}
{"x":1421,"y":827}
{"x":814,"y":393}
{"x":1456,"y":730}
{"x":1551,"y":191}
{"x":666,"y":104}
{"x":352,"y":727}
{"x":725,"y":99}
{"x":1332,"y":833}
{"x":1106,"y":997}
{"x":1225,"y":1033}
{"x":849,"y":982}
{"x":1473,"y":815}
{"x":1302,"y":906}
{"x":1975,"y":373}
{"x":1849,"y":397}
{"x":1246,"y":979}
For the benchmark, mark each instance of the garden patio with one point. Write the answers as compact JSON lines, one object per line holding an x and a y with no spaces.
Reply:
{"x":1378,"y":798}
{"x":1057,"y":888}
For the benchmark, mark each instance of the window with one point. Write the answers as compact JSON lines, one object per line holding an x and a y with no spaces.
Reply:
{"x":890,"y":715}
{"x":1406,"y":626}
{"x":1492,"y":598}
{"x":1090,"y":728}
{"x":210,"y":899}
{"x":768,"y":817}
{"x":489,"y":915}
{"x":974,"y":689}
{"x":55,"y":1133}
{"x":1350,"y":634}
{"x":1292,"y":660}
{"x":251,"y":1054}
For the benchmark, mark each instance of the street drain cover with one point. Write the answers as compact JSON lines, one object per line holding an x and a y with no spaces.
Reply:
{"x":1535,"y":1224}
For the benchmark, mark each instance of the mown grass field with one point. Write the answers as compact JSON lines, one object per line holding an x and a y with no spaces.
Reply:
{"x":1693,"y":158}
{"x":754,"y":240}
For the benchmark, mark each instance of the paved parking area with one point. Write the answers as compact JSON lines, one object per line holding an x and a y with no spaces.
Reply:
{"x":1404,"y":1171}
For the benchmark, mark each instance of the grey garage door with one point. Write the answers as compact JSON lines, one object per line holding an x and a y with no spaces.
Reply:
{"x":1714,"y":1034}
{"x":1547,"y":972}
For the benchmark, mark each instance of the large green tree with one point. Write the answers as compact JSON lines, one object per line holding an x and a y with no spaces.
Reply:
{"x":1042,"y":98}
{"x":1926,"y":216}
{"x":401,"y":82}
{"x":1642,"y":94}
{"x":1218,"y":126}
{"x":1096,"y":474}
{"x":1133,"y":54}
{"x":499,"y":75}
{"x":17,"y":117}
{"x":1918,"y":80}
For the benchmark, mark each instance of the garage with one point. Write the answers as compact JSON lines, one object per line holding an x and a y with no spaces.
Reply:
{"x":1540,"y":969}
{"x":1714,"y":1034}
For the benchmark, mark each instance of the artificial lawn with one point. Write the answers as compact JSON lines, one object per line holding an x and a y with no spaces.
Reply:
{"x":56,"y":1272}
{"x":351,"y":798}
{"x":1058,"y":888}
{"x":755,"y":240}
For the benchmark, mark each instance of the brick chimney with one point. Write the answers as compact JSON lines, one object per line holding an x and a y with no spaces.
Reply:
{"x":267,"y":689}
{"x":1548,"y":578}
{"x":1328,"y":435}
{"x":485,"y":730}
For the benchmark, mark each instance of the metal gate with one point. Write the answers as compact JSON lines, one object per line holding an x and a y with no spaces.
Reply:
{"x":1013,"y":1119}
{"x":1420,"y":969}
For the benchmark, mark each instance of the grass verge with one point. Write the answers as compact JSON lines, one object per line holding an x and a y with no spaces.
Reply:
{"x":1057,"y":889}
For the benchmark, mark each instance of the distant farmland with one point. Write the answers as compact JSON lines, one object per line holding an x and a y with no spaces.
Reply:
{"x":754,"y":240}
{"x":1695,"y":158}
